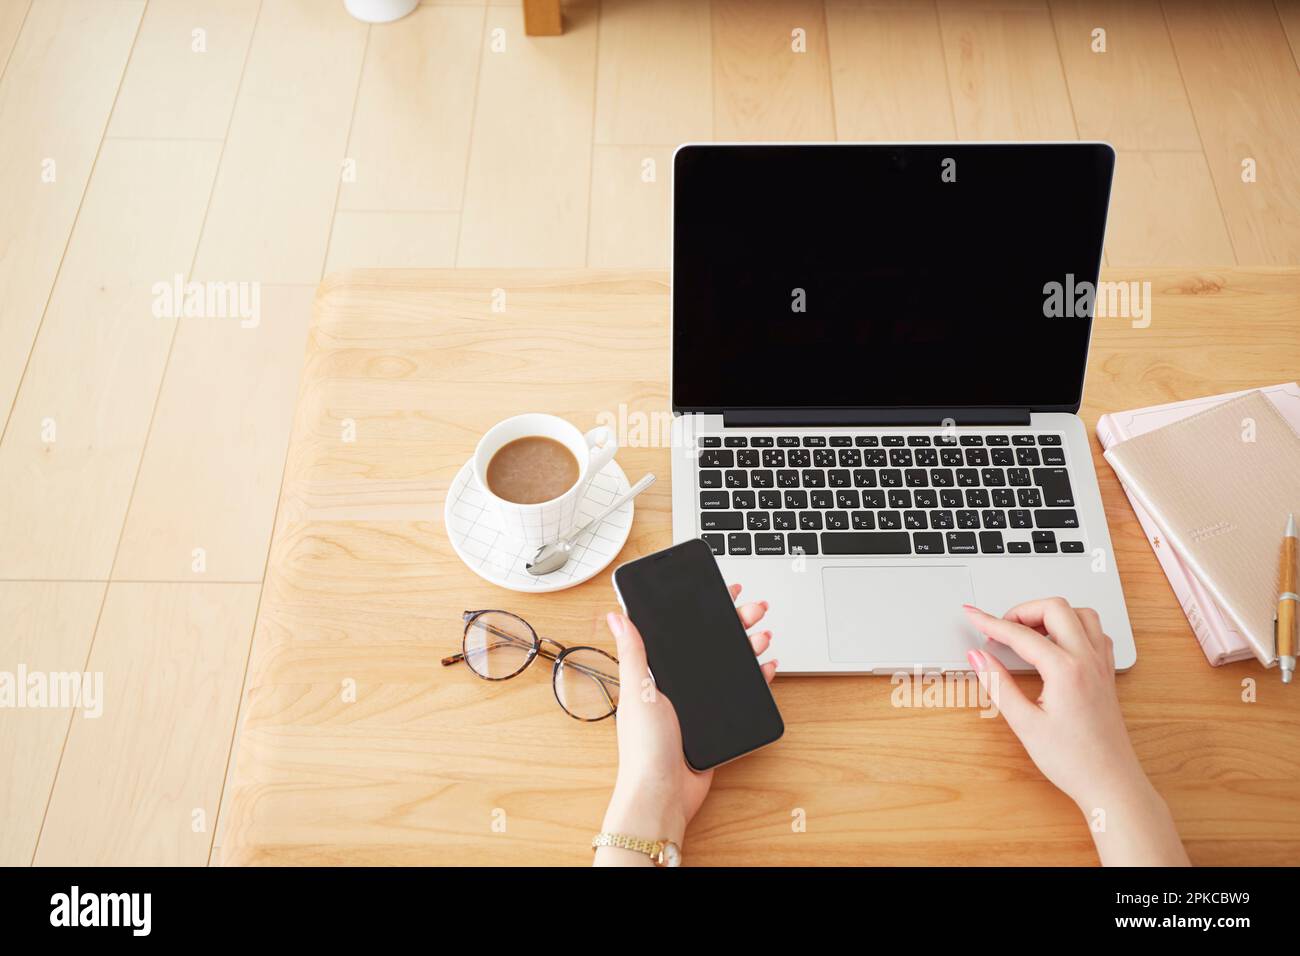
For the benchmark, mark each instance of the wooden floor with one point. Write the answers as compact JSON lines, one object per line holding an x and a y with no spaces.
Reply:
{"x":141,"y":455}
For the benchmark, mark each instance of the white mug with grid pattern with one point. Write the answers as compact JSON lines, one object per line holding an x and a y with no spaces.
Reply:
{"x":534,"y":525}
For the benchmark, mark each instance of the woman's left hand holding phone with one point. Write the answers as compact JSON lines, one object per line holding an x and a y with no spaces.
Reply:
{"x":656,"y":794}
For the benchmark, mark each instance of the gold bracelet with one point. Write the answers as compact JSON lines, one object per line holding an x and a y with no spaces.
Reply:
{"x":661,"y":852}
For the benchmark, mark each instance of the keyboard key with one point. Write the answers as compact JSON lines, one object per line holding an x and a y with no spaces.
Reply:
{"x":769,"y":499}
{"x":968,"y":478}
{"x":787,"y":478}
{"x":927,"y":542}
{"x":1018,"y":476}
{"x":1072,"y":547}
{"x":758,"y":521}
{"x":837,"y":521}
{"x":1020,"y":519}
{"x":773,"y":458}
{"x":850,"y":458}
{"x":977,"y":457}
{"x":900,"y":457}
{"x":838,"y":478}
{"x":866,"y":441}
{"x":1002,"y":457}
{"x":814,"y":441}
{"x":1053,"y":456}
{"x":915,"y":520}
{"x":927,"y":457}
{"x":1067,"y":518}
{"x":747,"y":458}
{"x":900,"y":498}
{"x":769,"y":544}
{"x":925,"y":498}
{"x":863,"y":521}
{"x":787,"y":441}
{"x":736,"y":478}
{"x":810,"y":521}
{"x":889,"y":520}
{"x":1044,"y":542}
{"x":875,"y":458}
{"x":813,"y":478}
{"x":916,"y":477}
{"x":735,"y":441}
{"x":991,"y":542}
{"x":801,"y":543}
{"x":891,"y":478}
{"x":891,"y":441}
{"x":1003,"y":498}
{"x":873,"y":498}
{"x":977,"y":498}
{"x":743,"y":500}
{"x":760,"y":441}
{"x":1055,"y":483}
{"x":839,"y":441}
{"x":941,"y":477}
{"x":738,"y":543}
{"x":951,"y":457}
{"x":1027,"y":456}
{"x":717,"y":458}
{"x":1029,"y":498}
{"x":824,"y":458}
{"x":961,"y":542}
{"x":968,"y":519}
{"x":1017,"y":547}
{"x":799,"y":458}
{"x":918,"y":441}
{"x":862,"y":542}
{"x":1022,"y":439}
{"x":994,"y":519}
{"x":967,"y":440}
{"x":942,"y":520}
{"x":710,"y":479}
{"x":783,"y":520}
{"x":761,"y":478}
{"x":710,"y":441}
{"x":713,"y":499}
{"x":951,"y":498}
{"x":864,"y":478}
{"x":821,"y":498}
{"x":848,"y":500}
{"x":716,"y":542}
{"x":1049,"y":439}
{"x":948,"y":440}
{"x":722,"y":521}
{"x":995,"y":439}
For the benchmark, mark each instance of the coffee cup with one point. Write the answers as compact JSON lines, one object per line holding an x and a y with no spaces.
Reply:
{"x":535,"y":523}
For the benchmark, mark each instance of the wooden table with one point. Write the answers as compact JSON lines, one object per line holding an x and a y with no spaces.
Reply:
{"x":357,"y":747}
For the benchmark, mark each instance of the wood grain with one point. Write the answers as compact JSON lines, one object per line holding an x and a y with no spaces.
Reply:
{"x":363,"y":587}
{"x":1164,"y":212}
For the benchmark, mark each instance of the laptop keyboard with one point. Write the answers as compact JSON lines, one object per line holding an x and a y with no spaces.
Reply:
{"x":886,"y":494}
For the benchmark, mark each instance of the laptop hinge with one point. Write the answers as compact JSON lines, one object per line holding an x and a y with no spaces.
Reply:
{"x":939,"y":417}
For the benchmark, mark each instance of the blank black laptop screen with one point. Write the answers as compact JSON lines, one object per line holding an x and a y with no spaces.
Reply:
{"x":884,"y":276}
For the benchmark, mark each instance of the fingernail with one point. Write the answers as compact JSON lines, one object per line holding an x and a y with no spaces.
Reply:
{"x":615,"y":622}
{"x":764,"y":603}
{"x":976,"y":659}
{"x":971,"y":607}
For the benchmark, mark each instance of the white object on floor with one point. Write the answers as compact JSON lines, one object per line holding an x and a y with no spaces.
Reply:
{"x":474,"y":530}
{"x":380,"y":11}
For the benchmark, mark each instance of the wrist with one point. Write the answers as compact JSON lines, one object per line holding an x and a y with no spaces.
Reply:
{"x":644,"y":812}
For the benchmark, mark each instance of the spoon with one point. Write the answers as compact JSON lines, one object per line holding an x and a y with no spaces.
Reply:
{"x":552,"y":557}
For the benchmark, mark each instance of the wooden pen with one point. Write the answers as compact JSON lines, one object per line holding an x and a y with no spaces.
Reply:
{"x":1287,"y":599}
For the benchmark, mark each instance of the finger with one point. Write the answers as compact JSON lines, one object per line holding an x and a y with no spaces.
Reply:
{"x":1029,"y":644}
{"x":734,"y":591}
{"x":1003,"y":690}
{"x":751,"y":614}
{"x":760,"y":642}
{"x":1056,"y":617}
{"x":1091,"y":622}
{"x":632,"y":666}
{"x":769,"y":670}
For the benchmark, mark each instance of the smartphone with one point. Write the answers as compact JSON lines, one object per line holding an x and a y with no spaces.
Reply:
{"x":699,"y":654}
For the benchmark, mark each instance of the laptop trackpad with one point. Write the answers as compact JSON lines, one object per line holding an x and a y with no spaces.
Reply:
{"x":898,"y":615}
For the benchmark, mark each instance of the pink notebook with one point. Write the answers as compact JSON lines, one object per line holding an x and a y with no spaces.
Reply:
{"x":1220,"y":640}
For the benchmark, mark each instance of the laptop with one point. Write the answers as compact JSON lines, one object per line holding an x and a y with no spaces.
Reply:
{"x":878,"y":356}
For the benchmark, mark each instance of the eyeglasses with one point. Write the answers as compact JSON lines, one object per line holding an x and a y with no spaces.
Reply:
{"x":498,"y":645}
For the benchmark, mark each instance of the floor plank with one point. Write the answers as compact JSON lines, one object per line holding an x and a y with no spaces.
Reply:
{"x":654,"y":81}
{"x":96,"y":368}
{"x":527,"y":191}
{"x":180,"y":86}
{"x":762,"y":88}
{"x":1005,"y":73}
{"x":274,"y":199}
{"x":133,"y":783}
{"x":1289,"y":12}
{"x":12,"y":15}
{"x":55,"y":99}
{"x":1131,"y":95}
{"x":1244,"y":88}
{"x":631,"y":213}
{"x":1163,"y":212}
{"x":888,"y":72}
{"x":212,"y":467}
{"x":47,"y":629}
{"x":410,"y":134}
{"x":410,"y":240}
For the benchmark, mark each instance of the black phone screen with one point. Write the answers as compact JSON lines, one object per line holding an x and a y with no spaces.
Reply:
{"x":698,"y":653}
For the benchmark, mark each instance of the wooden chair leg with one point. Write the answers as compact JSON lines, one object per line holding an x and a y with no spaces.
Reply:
{"x":542,"y":18}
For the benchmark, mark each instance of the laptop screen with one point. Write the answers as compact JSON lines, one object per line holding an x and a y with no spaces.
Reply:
{"x":885,"y":276}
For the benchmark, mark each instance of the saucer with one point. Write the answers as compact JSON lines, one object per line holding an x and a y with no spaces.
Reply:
{"x":474,"y":529}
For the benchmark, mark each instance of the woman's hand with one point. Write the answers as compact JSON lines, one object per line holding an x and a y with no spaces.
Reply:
{"x":1074,"y":732}
{"x":656,"y":794}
